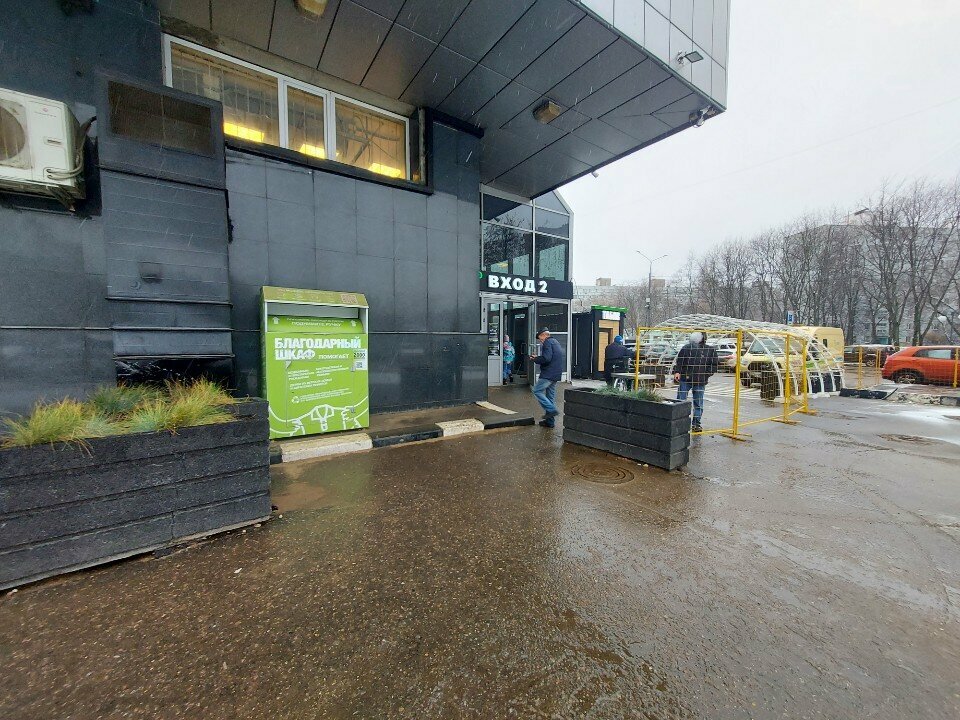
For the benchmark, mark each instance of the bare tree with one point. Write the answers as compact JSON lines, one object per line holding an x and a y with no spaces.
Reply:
{"x":898,"y":257}
{"x":931,"y":215}
{"x":885,"y":262}
{"x":765,"y":254}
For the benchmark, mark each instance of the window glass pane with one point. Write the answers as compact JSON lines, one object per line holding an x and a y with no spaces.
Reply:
{"x":507,"y":212}
{"x":370,"y":140}
{"x":305,"y":123}
{"x":553,"y":223}
{"x":552,"y":316}
{"x":941,"y":354}
{"x":551,"y":257}
{"x":550,"y":201}
{"x":250,"y":106}
{"x":506,"y":250}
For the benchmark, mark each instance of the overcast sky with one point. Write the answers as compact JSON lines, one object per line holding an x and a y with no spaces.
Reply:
{"x":826,"y":99}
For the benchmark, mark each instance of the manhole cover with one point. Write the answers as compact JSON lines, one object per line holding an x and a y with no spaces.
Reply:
{"x":602,"y":473}
{"x":907,"y":438}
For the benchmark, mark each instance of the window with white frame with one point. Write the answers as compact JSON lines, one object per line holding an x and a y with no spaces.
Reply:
{"x":264,"y":107}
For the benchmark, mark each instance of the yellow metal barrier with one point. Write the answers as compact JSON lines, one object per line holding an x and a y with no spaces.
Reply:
{"x":795,"y":388}
{"x":869,"y":370}
{"x":860,"y":368}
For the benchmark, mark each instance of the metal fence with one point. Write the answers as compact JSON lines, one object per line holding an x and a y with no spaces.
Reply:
{"x":763,"y":374}
{"x":865,"y":368}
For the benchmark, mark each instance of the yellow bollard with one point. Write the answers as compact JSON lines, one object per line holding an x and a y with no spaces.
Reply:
{"x":956,"y":366}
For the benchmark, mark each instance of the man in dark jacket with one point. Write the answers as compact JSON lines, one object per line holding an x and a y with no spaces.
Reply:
{"x":552,"y":363}
{"x":694,"y":365}
{"x":615,"y":359}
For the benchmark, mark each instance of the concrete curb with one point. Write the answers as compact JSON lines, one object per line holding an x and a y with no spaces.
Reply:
{"x":516,"y":421}
{"x":321,"y":446}
{"x":325,"y":446}
{"x":950,"y":400}
{"x":387,"y":438}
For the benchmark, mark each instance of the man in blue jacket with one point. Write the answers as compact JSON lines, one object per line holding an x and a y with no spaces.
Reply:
{"x":616,"y":358}
{"x":552,"y":364}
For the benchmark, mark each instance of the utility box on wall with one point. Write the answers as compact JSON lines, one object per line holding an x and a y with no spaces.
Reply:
{"x":315,"y":373}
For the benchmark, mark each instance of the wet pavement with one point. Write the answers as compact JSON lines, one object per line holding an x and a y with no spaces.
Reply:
{"x":811,"y":572}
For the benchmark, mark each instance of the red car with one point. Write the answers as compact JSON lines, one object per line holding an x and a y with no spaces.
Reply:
{"x":926,"y":364}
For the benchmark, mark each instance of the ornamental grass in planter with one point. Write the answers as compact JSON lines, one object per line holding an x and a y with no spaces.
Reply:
{"x":642,"y":425}
{"x":119,"y":411}
{"x":129,"y":470}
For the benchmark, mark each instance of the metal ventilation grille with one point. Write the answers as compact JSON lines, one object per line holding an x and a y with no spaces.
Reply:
{"x":14,"y":148}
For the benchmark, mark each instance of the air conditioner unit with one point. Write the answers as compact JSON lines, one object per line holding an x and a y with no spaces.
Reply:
{"x":41,"y":147}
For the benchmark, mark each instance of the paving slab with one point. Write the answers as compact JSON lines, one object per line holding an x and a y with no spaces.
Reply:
{"x":810,"y":572}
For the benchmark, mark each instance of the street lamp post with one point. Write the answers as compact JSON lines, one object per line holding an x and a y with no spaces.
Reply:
{"x":650,"y":281}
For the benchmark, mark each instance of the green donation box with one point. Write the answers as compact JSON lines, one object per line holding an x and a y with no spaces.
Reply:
{"x":314,"y":361}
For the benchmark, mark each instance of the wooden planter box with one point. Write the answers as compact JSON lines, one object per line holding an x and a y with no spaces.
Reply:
{"x":66,"y":507}
{"x":649,"y":432}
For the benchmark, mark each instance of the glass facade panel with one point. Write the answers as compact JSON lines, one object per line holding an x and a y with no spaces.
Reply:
{"x":553,"y":223}
{"x":305,"y":123}
{"x":552,"y":257}
{"x":552,"y":316}
{"x":506,"y":250}
{"x":550,"y":201}
{"x":550,"y":237}
{"x":372,"y":141}
{"x":507,"y":212}
{"x":250,"y":99}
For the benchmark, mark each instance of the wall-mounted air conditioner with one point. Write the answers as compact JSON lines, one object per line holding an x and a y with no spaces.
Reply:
{"x":41,"y":147}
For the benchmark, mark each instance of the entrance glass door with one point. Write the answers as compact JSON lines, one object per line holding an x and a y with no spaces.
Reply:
{"x":514,"y":320}
{"x":493,"y":316}
{"x":517,"y":323}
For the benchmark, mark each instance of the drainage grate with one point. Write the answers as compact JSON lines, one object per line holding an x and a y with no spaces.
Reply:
{"x":602,"y":473}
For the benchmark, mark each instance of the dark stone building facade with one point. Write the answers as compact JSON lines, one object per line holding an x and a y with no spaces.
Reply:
{"x":158,"y":268}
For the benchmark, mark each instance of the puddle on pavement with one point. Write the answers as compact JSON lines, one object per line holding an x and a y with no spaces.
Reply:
{"x":298,"y":495}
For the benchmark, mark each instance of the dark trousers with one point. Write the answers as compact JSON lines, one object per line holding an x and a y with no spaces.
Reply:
{"x":611,"y":367}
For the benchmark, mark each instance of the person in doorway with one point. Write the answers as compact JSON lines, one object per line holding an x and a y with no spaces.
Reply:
{"x":509,"y":355}
{"x":694,"y":365}
{"x":552,"y":364}
{"x":616,"y":358}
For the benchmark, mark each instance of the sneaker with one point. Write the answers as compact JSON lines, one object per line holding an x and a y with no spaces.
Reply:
{"x":696,"y":427}
{"x":551,"y":414}
{"x":546,"y":423}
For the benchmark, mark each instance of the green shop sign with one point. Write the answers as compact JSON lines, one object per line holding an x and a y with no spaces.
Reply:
{"x":315,"y":362}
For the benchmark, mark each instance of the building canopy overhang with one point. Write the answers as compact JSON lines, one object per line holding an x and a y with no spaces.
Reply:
{"x":487,"y":63}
